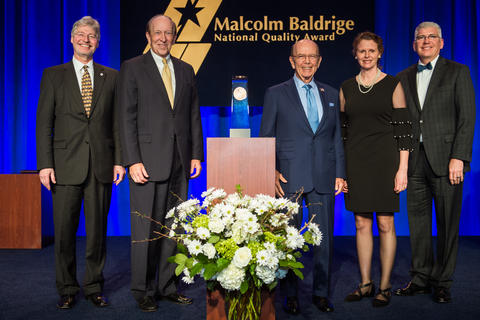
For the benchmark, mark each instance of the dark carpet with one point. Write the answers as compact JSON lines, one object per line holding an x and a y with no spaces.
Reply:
{"x":27,"y":287}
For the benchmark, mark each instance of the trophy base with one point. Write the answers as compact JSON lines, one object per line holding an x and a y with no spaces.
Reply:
{"x":239,"y":133}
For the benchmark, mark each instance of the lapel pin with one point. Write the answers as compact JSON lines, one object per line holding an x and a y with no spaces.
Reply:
{"x":101,"y":74}
{"x":321,"y":89}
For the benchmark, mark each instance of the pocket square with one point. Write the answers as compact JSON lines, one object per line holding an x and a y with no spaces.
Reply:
{"x":331,"y":104}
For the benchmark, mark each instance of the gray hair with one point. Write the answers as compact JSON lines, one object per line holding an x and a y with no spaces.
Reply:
{"x":174,"y":26}
{"x":428,"y":24}
{"x":87,"y":21}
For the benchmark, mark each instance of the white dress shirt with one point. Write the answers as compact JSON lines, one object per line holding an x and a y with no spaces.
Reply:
{"x":423,"y":80}
{"x":303,"y":95}
{"x":159,"y":62}
{"x":78,"y":66}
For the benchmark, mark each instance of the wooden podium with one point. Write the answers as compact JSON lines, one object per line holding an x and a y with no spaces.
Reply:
{"x":21,"y":211}
{"x":250,"y":163}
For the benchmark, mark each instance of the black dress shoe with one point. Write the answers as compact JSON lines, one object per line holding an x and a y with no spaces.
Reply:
{"x":147,"y":304}
{"x":98,"y":300}
{"x":323,"y":304}
{"x":66,"y":301}
{"x":291,"y":305}
{"x":179,"y":298}
{"x":442,"y":295}
{"x":412,"y":289}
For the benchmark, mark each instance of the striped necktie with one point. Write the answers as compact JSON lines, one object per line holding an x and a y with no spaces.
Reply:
{"x":167,"y":81}
{"x":87,"y":91}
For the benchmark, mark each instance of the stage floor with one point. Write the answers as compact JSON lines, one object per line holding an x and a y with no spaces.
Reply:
{"x":27,"y":287}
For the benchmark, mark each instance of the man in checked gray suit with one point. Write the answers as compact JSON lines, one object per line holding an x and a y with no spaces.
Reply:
{"x":440,"y":97}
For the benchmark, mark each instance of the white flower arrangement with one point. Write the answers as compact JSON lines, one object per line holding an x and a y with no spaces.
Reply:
{"x":244,"y":244}
{"x":237,"y":240}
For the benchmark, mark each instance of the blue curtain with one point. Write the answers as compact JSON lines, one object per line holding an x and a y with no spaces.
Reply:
{"x":36,"y":35}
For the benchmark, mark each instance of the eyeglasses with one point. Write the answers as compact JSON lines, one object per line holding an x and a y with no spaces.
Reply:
{"x":165,"y":33}
{"x":423,"y":37}
{"x":304,"y":57}
{"x":83,"y":36}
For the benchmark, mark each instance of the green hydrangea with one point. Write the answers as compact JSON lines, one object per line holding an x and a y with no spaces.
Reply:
{"x":200,"y":221}
{"x":226,"y":248}
{"x":270,"y":237}
{"x":254,"y":247}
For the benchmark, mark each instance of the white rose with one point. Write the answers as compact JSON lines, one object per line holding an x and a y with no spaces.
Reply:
{"x":209,"y":250}
{"x":242,"y":257}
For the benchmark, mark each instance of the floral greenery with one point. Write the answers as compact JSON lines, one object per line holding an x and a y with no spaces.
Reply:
{"x":239,"y":242}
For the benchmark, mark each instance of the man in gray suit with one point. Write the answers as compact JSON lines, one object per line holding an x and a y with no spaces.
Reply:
{"x":440,"y":97}
{"x":162,"y":145}
{"x":78,"y":155}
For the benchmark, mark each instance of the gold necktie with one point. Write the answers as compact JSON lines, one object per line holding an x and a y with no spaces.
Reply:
{"x":87,"y":91}
{"x":167,"y":81}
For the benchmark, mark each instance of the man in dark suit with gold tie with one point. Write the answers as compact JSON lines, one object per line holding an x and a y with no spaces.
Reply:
{"x":441,"y":100}
{"x":162,"y":145}
{"x":78,"y":155}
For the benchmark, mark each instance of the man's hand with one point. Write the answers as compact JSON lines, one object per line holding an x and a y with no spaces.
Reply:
{"x":46,"y":175}
{"x":340,"y":185}
{"x":118,"y":174}
{"x":401,"y":181}
{"x":195,"y":168}
{"x":278,"y":187}
{"x":138,"y":173}
{"x":455,"y":171}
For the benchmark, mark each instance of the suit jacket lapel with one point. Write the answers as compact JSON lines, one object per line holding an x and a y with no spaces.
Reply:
{"x":321,"y":91}
{"x":437,"y":76}
{"x":412,"y":81}
{"x":178,"y":84}
{"x":98,"y":81}
{"x":293,"y":95}
{"x":71,"y":85}
{"x":152,"y":70}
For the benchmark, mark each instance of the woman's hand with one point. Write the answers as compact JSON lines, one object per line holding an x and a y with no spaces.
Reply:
{"x":401,"y":180}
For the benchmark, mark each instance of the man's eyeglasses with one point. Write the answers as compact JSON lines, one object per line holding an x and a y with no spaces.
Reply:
{"x":83,"y":36}
{"x":423,"y":37}
{"x":304,"y":57}
{"x":165,"y":33}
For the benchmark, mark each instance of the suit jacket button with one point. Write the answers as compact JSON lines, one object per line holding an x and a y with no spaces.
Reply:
{"x":86,"y":141}
{"x":421,"y":121}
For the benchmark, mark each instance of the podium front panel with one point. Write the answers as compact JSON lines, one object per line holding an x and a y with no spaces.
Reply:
{"x":248,"y":162}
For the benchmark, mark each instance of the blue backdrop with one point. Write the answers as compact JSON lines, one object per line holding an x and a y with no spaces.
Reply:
{"x":36,"y":35}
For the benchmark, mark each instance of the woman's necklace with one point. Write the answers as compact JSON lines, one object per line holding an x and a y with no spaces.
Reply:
{"x":369,"y":87}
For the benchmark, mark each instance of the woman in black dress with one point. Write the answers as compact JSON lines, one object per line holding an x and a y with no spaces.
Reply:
{"x":377,"y":134}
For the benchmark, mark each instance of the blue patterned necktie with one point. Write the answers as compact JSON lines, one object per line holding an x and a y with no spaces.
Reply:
{"x":421,"y":67}
{"x":312,"y":109}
